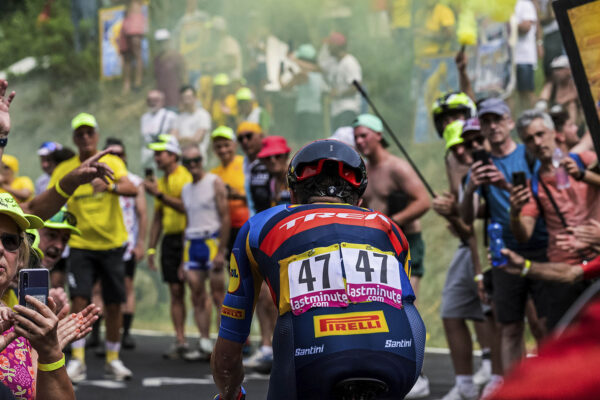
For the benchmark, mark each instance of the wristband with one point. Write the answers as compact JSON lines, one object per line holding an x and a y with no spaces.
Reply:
{"x":580,"y":176}
{"x":151,"y":252}
{"x":52,"y":366}
{"x":527,"y":267}
{"x":60,"y":191}
{"x":478,"y":278}
{"x":3,"y":142}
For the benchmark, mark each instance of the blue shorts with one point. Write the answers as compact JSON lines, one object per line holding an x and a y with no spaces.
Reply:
{"x":322,"y":347}
{"x":199,"y":253}
{"x":525,"y":78}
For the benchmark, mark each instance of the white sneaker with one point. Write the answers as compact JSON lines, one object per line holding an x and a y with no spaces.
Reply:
{"x":420,"y":389}
{"x":483,"y":375}
{"x":76,"y":370}
{"x":456,"y":394}
{"x":205,"y":346}
{"x":491,"y":387}
{"x":117,"y":370}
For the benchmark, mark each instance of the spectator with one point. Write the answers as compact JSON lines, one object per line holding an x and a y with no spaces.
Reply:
{"x":231,"y":171}
{"x":309,"y":86}
{"x":526,"y":51}
{"x":463,"y":289}
{"x":258,"y":194}
{"x":249,"y":110}
{"x":565,"y":126}
{"x":170,"y":221}
{"x":84,"y":15}
{"x":46,"y":164}
{"x":135,"y":218}
{"x":193,"y":122}
{"x":274,"y":154}
{"x":206,"y":235}
{"x":340,"y":73}
{"x":224,"y":103}
{"x":492,"y":181}
{"x":29,"y":340}
{"x":130,"y":44}
{"x":156,"y":121}
{"x":169,"y":69}
{"x":98,"y":252}
{"x":20,"y":187}
{"x":558,"y":206}
{"x":226,"y":53}
{"x":551,"y":38}
{"x":560,"y":89}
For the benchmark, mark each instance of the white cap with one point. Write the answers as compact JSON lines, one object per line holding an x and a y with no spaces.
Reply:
{"x":219,"y":23}
{"x":561,"y":61}
{"x":162,"y":34}
{"x":344,"y":134}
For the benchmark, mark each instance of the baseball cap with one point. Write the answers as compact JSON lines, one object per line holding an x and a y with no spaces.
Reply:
{"x":336,"y":39}
{"x":10,"y":208}
{"x":306,"y":52}
{"x":344,"y":134}
{"x":248,"y":126}
{"x":471,"y":125}
{"x":161,"y":34}
{"x":84,"y":119}
{"x":561,"y":61}
{"x":11,"y":162}
{"x":221,"y":80}
{"x":166,"y":142}
{"x":224,"y":132}
{"x":63,"y":220}
{"x":453,"y":132}
{"x":272,"y":146}
{"x":373,"y":123}
{"x":48,"y":147}
{"x":244,"y":94}
{"x":493,"y":105}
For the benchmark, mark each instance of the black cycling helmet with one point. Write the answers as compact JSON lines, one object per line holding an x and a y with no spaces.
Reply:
{"x":451,"y":102}
{"x":331,"y":158}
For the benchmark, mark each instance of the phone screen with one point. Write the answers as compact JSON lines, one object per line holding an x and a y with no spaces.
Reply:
{"x":481,"y":155}
{"x":519,"y":178}
{"x":149,"y":172}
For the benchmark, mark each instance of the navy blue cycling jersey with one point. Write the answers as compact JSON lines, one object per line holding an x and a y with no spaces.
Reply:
{"x":339,"y":276}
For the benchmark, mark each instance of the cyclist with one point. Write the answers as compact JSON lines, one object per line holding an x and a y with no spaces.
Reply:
{"x":339,"y":277}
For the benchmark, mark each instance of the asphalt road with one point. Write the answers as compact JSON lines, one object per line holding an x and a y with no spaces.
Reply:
{"x":156,"y":378}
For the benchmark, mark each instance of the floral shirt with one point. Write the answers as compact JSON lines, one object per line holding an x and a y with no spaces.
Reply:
{"x":16,"y":369}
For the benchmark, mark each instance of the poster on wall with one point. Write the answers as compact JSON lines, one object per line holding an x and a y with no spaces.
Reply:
{"x":110,"y":21}
{"x":580,"y":31}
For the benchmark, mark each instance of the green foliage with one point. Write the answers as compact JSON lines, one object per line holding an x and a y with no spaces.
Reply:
{"x":49,"y":41}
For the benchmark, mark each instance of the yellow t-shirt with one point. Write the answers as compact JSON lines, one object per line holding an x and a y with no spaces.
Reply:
{"x":22,"y":182}
{"x":217,"y":115}
{"x":233,"y":175}
{"x":98,"y":215}
{"x":401,"y":14}
{"x":173,"y":221}
{"x":441,"y":17}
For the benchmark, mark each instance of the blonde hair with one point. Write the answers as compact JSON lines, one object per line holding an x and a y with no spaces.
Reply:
{"x":24,"y":252}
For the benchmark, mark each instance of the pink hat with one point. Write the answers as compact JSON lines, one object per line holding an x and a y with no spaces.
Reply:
{"x":336,"y":39}
{"x":272,"y":146}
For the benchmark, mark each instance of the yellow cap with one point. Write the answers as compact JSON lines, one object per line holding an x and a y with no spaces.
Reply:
{"x":11,"y":162}
{"x":84,"y":119}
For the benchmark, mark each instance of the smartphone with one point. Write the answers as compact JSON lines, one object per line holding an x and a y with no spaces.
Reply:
{"x":35,"y":283}
{"x":481,"y":155}
{"x":149,"y":173}
{"x":519,"y":179}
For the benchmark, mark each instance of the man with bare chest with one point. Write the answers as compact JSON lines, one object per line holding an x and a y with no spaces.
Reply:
{"x":394,"y":188}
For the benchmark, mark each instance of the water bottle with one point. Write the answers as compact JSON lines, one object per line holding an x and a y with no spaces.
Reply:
{"x":562,"y":177}
{"x":496,"y":244}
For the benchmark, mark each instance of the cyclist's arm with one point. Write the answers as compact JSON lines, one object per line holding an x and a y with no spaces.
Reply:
{"x":236,"y":317}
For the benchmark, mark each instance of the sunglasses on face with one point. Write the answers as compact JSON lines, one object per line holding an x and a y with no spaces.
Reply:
{"x":190,"y":161}
{"x":62,"y":216}
{"x":11,"y":241}
{"x":245,"y":136}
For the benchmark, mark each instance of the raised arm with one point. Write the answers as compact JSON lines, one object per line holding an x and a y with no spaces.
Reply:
{"x":4,"y":114}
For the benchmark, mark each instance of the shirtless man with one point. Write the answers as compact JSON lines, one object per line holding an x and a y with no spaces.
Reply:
{"x":394,"y":188}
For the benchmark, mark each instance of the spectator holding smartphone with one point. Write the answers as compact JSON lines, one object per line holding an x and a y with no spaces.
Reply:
{"x":559,"y":204}
{"x":492,"y":182}
{"x":30,"y":340}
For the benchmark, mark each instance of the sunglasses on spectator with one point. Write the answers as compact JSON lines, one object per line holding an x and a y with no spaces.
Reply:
{"x":10,"y":241}
{"x":190,"y":161}
{"x":245,"y":136}
{"x":62,"y":216}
